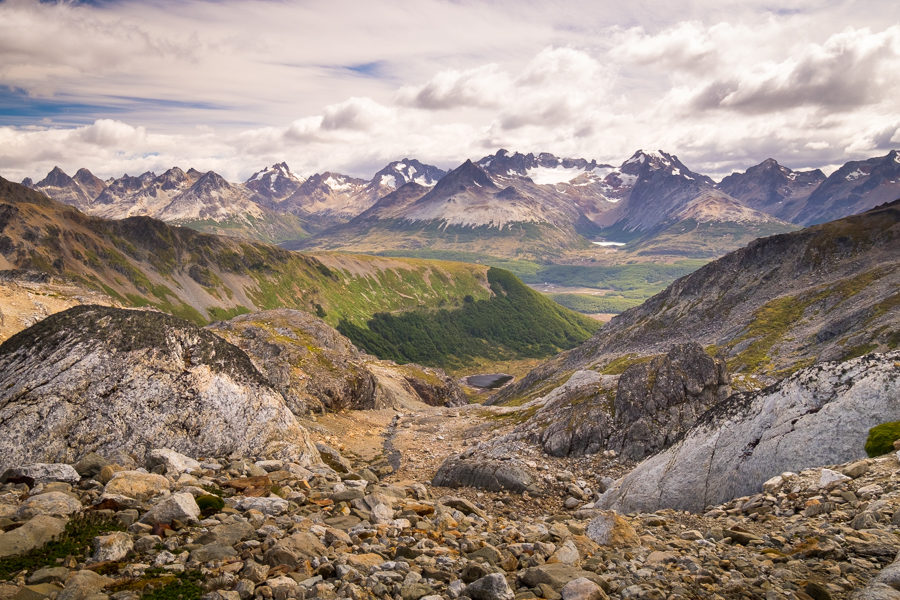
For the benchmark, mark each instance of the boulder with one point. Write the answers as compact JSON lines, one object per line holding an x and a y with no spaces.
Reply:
{"x":40,"y":472}
{"x":90,"y":464}
{"x":269,"y":506}
{"x":489,"y":587}
{"x":171,"y":461}
{"x":33,"y":534}
{"x":112,"y":547}
{"x":485,"y":474}
{"x":333,"y":458}
{"x":57,"y":504}
{"x":611,"y":529}
{"x":751,"y":437}
{"x":582,"y":589}
{"x":177,"y":507}
{"x":133,"y":380}
{"x":83,"y":584}
{"x":137,"y":484}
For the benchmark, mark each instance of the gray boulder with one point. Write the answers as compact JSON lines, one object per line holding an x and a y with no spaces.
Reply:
{"x":105,"y":380}
{"x":43,"y":473}
{"x":818,"y":416}
{"x":485,"y":474}
{"x":490,"y":587}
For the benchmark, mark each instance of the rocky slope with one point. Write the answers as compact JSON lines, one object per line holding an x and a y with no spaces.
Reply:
{"x":818,"y":416}
{"x":106,"y":380}
{"x":26,"y":297}
{"x":773,"y":188}
{"x":316,"y":368}
{"x":286,"y":531}
{"x":828,"y":292}
{"x":855,"y":187}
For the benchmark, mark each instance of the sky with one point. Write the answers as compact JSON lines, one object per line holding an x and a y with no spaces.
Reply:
{"x":126,"y":86}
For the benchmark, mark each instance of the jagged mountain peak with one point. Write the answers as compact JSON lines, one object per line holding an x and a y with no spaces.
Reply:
{"x":270,"y":174}
{"x":544,"y":168}
{"x":84,"y":174}
{"x":211,"y":181}
{"x":56,"y":178}
{"x":464,"y":176}
{"x":399,"y":172}
{"x":28,"y":182}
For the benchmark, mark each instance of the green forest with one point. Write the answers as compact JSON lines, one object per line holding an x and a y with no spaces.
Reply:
{"x":515,"y":322}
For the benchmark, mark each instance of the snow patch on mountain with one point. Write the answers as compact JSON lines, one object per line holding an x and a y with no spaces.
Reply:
{"x":552,"y":175}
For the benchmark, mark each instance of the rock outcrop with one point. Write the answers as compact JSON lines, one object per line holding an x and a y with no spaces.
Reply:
{"x":657,"y":401}
{"x":317,"y":369}
{"x":105,"y":380}
{"x":308,"y":361}
{"x":491,"y":475}
{"x":638,"y":413}
{"x":818,"y":416}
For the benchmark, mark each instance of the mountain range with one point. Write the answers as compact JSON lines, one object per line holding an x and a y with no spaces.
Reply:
{"x":509,"y":205}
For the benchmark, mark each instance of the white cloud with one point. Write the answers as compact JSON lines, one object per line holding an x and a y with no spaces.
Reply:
{"x":341,"y":85}
{"x":485,"y":86}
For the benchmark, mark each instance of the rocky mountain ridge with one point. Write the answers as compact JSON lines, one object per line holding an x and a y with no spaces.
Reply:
{"x":646,"y":196}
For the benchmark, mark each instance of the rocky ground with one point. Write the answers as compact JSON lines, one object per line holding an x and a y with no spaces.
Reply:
{"x":362,"y":529}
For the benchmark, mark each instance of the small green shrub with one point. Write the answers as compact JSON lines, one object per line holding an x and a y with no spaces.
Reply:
{"x":881,"y":438}
{"x":210,"y":504}
{"x":74,"y":541}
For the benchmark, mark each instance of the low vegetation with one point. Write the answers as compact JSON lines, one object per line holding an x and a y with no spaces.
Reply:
{"x":75,"y":541}
{"x":881,"y":438}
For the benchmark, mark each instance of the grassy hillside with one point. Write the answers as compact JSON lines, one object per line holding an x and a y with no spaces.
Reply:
{"x":514,"y":322}
{"x":144,"y":262}
{"x":625,"y":285}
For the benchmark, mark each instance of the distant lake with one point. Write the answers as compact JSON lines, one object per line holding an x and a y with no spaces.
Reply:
{"x":489,"y":381}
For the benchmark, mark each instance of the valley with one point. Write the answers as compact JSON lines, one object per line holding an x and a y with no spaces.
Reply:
{"x":449,"y":300}
{"x":536,"y":215}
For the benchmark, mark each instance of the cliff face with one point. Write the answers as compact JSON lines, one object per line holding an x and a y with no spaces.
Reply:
{"x":106,"y":380}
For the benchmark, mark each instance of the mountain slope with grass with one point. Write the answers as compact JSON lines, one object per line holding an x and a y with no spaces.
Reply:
{"x":827,"y":292}
{"x":514,"y":321}
{"x":140,"y":261}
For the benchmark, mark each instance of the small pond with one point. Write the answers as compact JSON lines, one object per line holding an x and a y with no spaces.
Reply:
{"x":489,"y":380}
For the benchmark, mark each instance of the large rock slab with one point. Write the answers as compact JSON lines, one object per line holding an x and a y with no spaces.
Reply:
{"x":98,"y":379}
{"x":485,"y":474}
{"x":818,"y":416}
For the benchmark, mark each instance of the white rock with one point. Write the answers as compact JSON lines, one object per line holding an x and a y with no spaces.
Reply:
{"x":269,"y":506}
{"x":829,"y":479}
{"x":172,"y":460}
{"x":868,"y":491}
{"x":773,"y":484}
{"x":181,"y":507}
{"x":112,"y":547}
{"x":582,"y":589}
